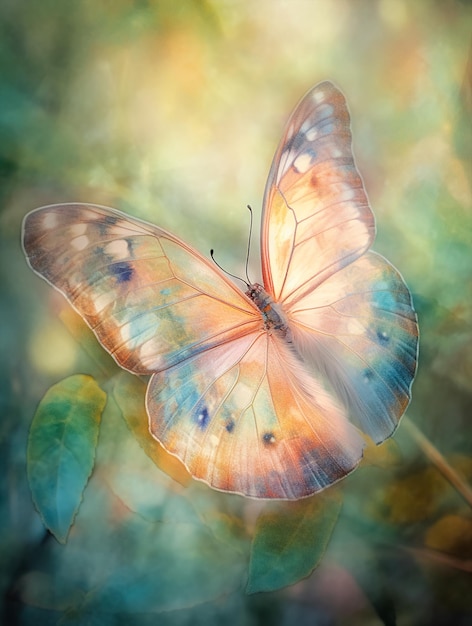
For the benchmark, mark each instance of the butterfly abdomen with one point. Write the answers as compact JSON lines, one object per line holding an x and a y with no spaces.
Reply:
{"x":274,"y":318}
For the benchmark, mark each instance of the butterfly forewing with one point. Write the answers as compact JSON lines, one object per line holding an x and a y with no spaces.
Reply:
{"x":316,"y":217}
{"x":150,"y":299}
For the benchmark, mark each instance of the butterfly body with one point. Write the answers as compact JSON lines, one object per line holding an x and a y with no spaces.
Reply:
{"x":273,"y":316}
{"x":263,"y":393}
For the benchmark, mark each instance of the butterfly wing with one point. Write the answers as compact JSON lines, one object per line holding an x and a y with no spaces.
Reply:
{"x":316,"y":216}
{"x":350,"y":312}
{"x":359,"y":329}
{"x":150,"y":299}
{"x":252,"y":421}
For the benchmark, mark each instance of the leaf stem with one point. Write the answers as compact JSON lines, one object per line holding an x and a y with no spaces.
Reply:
{"x":439,"y":461}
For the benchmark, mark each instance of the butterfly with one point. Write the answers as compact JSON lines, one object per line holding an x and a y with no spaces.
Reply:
{"x":266,"y":393}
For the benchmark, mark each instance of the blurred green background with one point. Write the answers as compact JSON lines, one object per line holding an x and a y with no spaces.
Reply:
{"x":172,"y":111}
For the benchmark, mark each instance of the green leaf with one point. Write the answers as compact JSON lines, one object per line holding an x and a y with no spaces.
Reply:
{"x":61,"y":449}
{"x":290,"y":540}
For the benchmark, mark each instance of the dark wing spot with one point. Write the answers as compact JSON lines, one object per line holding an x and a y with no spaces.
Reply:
{"x":268,"y":439}
{"x":129,"y":243}
{"x":202,"y":417}
{"x":230,"y":426}
{"x":383,"y":337}
{"x":123,"y":271}
{"x":295,"y":142}
{"x":368,"y":375}
{"x":105,"y":222}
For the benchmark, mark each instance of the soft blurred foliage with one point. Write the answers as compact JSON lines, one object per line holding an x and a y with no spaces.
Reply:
{"x":172,"y":111}
{"x":61,"y":449}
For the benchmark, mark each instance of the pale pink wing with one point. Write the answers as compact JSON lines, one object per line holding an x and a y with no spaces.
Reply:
{"x":350,"y":312}
{"x":316,"y":216}
{"x":247,"y":418}
{"x":359,"y":331}
{"x":151,"y":300}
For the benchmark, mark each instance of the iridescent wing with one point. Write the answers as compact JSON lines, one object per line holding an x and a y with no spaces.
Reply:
{"x":316,"y":217}
{"x":349,"y":310}
{"x":359,"y":330}
{"x":252,"y":421}
{"x":151,"y":300}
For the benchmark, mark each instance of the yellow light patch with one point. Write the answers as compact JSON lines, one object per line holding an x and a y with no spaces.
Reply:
{"x":52,"y":350}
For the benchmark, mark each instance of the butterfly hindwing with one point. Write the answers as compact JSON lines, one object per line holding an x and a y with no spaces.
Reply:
{"x":150,"y":299}
{"x":316,"y":216}
{"x":359,"y":330}
{"x":246,"y":418}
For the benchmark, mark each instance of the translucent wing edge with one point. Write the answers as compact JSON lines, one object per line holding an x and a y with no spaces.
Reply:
{"x":247,"y":304}
{"x":293,"y":126}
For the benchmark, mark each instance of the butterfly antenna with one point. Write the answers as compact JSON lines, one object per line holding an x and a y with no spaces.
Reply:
{"x":249,"y":246}
{"x":226,"y":271}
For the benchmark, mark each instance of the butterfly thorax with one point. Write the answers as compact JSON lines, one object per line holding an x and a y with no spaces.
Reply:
{"x":273,"y":316}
